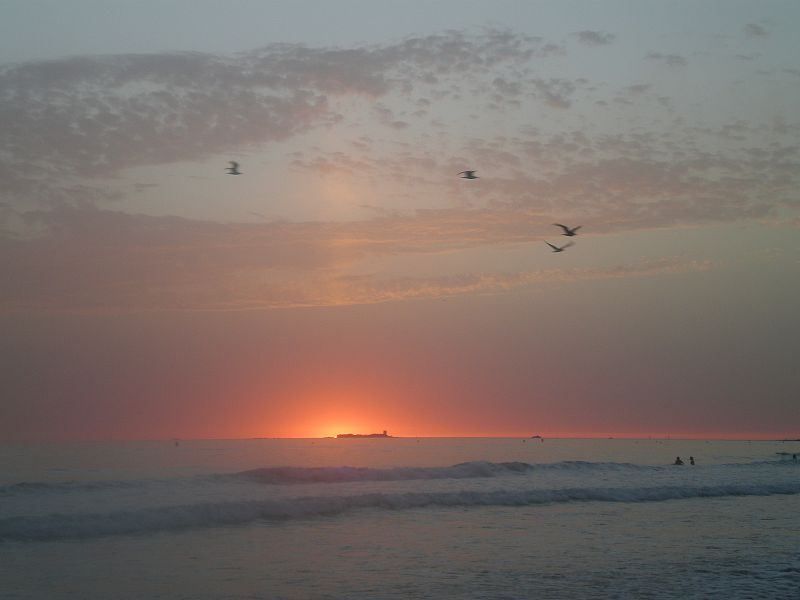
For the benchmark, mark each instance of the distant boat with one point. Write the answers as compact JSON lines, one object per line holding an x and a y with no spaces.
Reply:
{"x":364,"y":435}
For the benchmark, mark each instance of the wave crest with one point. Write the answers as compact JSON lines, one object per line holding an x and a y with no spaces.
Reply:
{"x":474,"y":469}
{"x":172,"y":518}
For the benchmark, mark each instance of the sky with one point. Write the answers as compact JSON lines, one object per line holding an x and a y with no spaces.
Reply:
{"x":349,"y":280}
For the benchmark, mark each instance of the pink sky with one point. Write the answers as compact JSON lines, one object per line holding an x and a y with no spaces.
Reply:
{"x":350,"y":280}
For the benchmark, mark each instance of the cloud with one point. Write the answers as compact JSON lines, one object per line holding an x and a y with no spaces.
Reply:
{"x":595,"y":38}
{"x":621,"y":181}
{"x":386,"y":116}
{"x":94,"y":260}
{"x":83,"y":258}
{"x":755,"y":30}
{"x":638,"y":88}
{"x":70,"y":121}
{"x":508,"y":88}
{"x":75,"y":121}
{"x":672,"y":60}
{"x":555,"y":93}
{"x":790,"y":222}
{"x":370,"y":290}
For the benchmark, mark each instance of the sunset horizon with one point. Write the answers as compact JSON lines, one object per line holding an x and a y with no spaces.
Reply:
{"x":524,"y":436}
{"x":537,"y":262}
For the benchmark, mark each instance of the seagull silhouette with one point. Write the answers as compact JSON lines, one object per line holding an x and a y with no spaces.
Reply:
{"x":234,"y":168}
{"x":562,"y":248}
{"x":468,"y":175}
{"x":567,"y":231}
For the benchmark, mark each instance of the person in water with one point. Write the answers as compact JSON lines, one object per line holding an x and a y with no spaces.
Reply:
{"x":691,"y":460}
{"x":678,"y":461}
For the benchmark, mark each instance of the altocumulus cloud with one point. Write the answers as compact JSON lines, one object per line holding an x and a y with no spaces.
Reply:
{"x":68,"y":123}
{"x":92,"y":116}
{"x":595,"y":38}
{"x":672,"y":60}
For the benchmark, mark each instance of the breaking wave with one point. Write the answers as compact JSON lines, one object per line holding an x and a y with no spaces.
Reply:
{"x":475,"y":469}
{"x":42,"y":487}
{"x":173,"y":518}
{"x":307,"y":475}
{"x":299,"y":475}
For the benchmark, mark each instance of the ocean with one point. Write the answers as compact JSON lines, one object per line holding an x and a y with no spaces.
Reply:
{"x":399,"y":518}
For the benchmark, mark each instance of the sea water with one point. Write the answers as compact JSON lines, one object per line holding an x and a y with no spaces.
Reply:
{"x":400,"y":518}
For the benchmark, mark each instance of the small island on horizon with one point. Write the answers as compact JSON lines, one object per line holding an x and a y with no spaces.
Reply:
{"x":364,"y":435}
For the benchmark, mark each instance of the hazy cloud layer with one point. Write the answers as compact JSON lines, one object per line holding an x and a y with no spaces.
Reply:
{"x":69,"y":123}
{"x":365,"y":290}
{"x":550,"y":145}
{"x":103,"y":260}
{"x":93,"y":116}
{"x":618,"y":182}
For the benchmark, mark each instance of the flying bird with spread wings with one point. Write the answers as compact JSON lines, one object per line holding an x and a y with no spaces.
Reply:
{"x":560,"y":248}
{"x":569,"y":232}
{"x":234,"y":168}
{"x":468,"y":175}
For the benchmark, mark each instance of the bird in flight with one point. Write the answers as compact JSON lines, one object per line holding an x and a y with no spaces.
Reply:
{"x":561,"y":248}
{"x":567,"y":231}
{"x":468,"y":175}
{"x":234,"y":168}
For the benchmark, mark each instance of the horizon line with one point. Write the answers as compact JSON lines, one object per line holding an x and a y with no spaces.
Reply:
{"x":637,"y":437}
